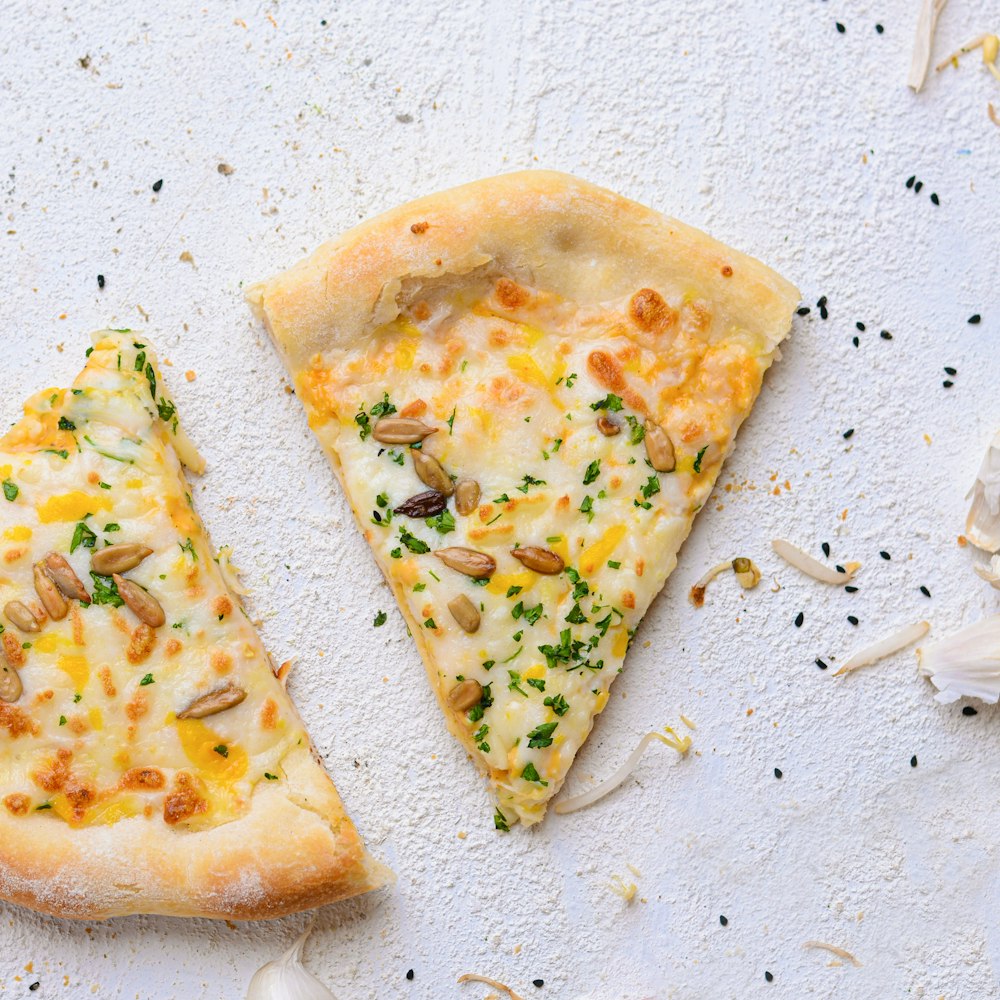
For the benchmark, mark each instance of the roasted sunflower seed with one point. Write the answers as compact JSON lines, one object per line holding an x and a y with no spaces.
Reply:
{"x":466,"y":496}
{"x":20,"y":615}
{"x":424,"y":504}
{"x":140,"y":601}
{"x":65,"y":578}
{"x":214,"y":702}
{"x":659,"y":448}
{"x":10,"y":683}
{"x":539,"y":559}
{"x":468,"y":561}
{"x":465,"y":694}
{"x":430,"y":472}
{"x":118,"y":558}
{"x":607,"y":426}
{"x":48,"y":593}
{"x":464,"y":612}
{"x":401,"y":430}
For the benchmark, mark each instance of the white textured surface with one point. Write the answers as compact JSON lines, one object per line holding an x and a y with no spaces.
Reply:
{"x":756,"y":121}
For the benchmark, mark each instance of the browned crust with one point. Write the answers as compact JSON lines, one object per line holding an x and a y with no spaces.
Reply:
{"x":281,"y":857}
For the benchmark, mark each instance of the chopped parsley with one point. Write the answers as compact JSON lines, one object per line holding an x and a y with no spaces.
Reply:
{"x":442,"y":523}
{"x":570,"y":379}
{"x":576,"y":616}
{"x":515,"y":682}
{"x":530,"y":481}
{"x":62,"y":720}
{"x":651,"y":487}
{"x":489,"y":664}
{"x":610,"y":402}
{"x":430,"y":623}
{"x":382,"y":500}
{"x":480,"y":738}
{"x":188,"y":547}
{"x":530,"y":615}
{"x":560,"y":653}
{"x":418,"y":587}
{"x":536,"y":682}
{"x":580,"y":586}
{"x":166,"y":409}
{"x":514,"y":591}
{"x":66,"y":425}
{"x":503,"y":498}
{"x":636,"y":430}
{"x":148,"y":679}
{"x":151,"y":379}
{"x":140,"y":360}
{"x":499,"y":820}
{"x":61,"y":452}
{"x":614,"y":564}
{"x":587,"y":507}
{"x":558,"y":704}
{"x":414,"y":544}
{"x":380,"y":619}
{"x":697,"y":461}
{"x":593,"y":471}
{"x":530,"y":773}
{"x":105,"y":590}
{"x":557,"y":444}
{"x":270,"y":777}
{"x":112,"y":526}
{"x":396,"y":553}
{"x":451,"y":421}
{"x":541,"y":736}
{"x":10,"y":489}
{"x":365,"y":420}
{"x":396,"y":456}
{"x":104,"y":486}
{"x":77,"y":698}
{"x":222,"y":750}
{"x":82,"y":535}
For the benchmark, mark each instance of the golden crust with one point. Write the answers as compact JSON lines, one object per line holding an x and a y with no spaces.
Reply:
{"x":280,"y":857}
{"x":541,"y":227}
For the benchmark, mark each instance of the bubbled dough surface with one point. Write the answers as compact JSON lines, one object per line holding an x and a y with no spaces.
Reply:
{"x":771,"y":162}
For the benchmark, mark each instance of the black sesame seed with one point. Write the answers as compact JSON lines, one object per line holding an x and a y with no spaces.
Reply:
{"x":857,"y":343}
{"x":820,"y":664}
{"x":969,"y":710}
{"x":935,"y":199}
{"x":885,"y":335}
{"x":950,"y":371}
{"x":157,"y":185}
{"x":860,"y":326}
{"x":885,"y":555}
{"x":840,"y":569}
{"x":821,"y":301}
{"x":879,"y":28}
{"x":841,"y":29}
{"x":409,"y":973}
{"x":100,"y":281}
{"x":803,"y":311}
{"x":913,"y":761}
{"x":852,"y":619}
{"x":723,"y":920}
{"x":925,"y":592}
{"x":538,"y":982}
{"x":826,"y":545}
{"x":777,"y":772}
{"x":323,"y":22}
{"x":34,"y":986}
{"x":767,"y":975}
{"x":851,"y":589}
{"x":974,"y":318}
{"x":917,"y":187}
{"x":848,"y":433}
{"x":910,"y":181}
{"x":799,"y":619}
{"x":947,"y":383}
{"x":823,"y":314}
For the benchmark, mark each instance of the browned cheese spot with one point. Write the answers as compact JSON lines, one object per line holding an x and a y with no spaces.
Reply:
{"x":12,"y":647}
{"x":17,"y":803}
{"x":141,"y":644}
{"x":608,"y":373}
{"x":269,"y":714}
{"x":510,"y":294}
{"x":137,"y":706}
{"x":16,"y":721}
{"x":628,"y":599}
{"x":55,"y":774}
{"x":106,"y":682}
{"x":222,"y":606}
{"x":650,"y":312}
{"x":419,"y":228}
{"x":173,"y":647}
{"x":221,"y":662}
{"x":143,"y":779}
{"x":184,"y":801}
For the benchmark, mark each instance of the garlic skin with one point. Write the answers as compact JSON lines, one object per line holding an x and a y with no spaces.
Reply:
{"x":966,"y":664}
{"x":982,"y":526}
{"x":286,"y":978}
{"x":990,"y":573}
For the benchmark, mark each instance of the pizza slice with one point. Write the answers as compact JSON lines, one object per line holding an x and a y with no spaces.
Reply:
{"x":527,"y":386}
{"x":150,"y":759}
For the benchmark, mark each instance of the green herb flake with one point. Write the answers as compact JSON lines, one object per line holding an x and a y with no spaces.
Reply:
{"x":222,"y":750}
{"x":697,"y":461}
{"x":614,"y":564}
{"x":380,"y":619}
{"x":571,"y":379}
{"x":503,"y":498}
{"x":530,"y":773}
{"x":593,"y":471}
{"x":489,"y":664}
{"x":499,"y":820}
{"x":188,"y":547}
{"x":430,"y":623}
{"x":576,"y":616}
{"x":382,"y":500}
{"x":515,"y":682}
{"x":104,"y":486}
{"x":82,"y":535}
{"x":419,"y":588}
{"x":62,"y":720}
{"x":112,"y":526}
{"x":66,"y":425}
{"x":10,"y":489}
{"x":414,"y":544}
{"x":637,"y":432}
{"x":610,"y":402}
{"x":587,"y":507}
{"x":451,"y":421}
{"x":541,"y":736}
{"x":536,"y":682}
{"x":270,"y":777}
{"x":105,"y":590}
{"x":514,"y":591}
{"x":528,"y":482}
{"x":558,"y":704}
{"x":651,"y":487}
{"x":148,"y":679}
{"x":77,"y":698}
{"x":61,"y":452}
{"x":442,"y":523}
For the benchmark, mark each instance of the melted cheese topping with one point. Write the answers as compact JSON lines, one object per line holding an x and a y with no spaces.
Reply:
{"x":94,"y":737}
{"x":514,"y":384}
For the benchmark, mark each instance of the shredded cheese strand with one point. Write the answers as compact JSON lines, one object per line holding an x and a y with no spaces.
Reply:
{"x":471,"y":977}
{"x":885,"y":647}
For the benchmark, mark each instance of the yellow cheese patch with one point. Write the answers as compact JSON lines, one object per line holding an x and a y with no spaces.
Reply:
{"x":526,"y":369}
{"x":78,"y":670}
{"x":19,"y":533}
{"x":200,"y":741}
{"x":71,"y":507}
{"x":596,"y":554}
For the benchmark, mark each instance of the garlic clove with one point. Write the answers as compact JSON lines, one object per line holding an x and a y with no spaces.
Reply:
{"x":990,"y":573}
{"x":966,"y":664}
{"x":982,"y":526}
{"x":286,"y":978}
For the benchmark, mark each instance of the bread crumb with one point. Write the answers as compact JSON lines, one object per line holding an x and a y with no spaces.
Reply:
{"x":187,"y":258}
{"x":190,"y":375}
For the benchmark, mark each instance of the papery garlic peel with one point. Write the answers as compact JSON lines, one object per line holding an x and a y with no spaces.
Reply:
{"x":286,"y":978}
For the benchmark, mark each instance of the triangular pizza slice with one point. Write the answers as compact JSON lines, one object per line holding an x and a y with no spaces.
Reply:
{"x":527,"y":386}
{"x":150,"y":759}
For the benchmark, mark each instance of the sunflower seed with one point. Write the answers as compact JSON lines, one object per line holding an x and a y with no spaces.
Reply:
{"x":424,"y":504}
{"x":539,"y":559}
{"x":141,"y":602}
{"x":214,"y":702}
{"x":401,"y":430}
{"x":464,"y":612}
{"x":20,"y":615}
{"x":48,"y":593}
{"x":431,"y":473}
{"x":607,"y":426}
{"x":465,"y":694}
{"x":467,"y":561}
{"x":118,"y":558}
{"x":10,"y":683}
{"x":64,"y":578}
{"x":659,"y":448}
{"x":466,"y":496}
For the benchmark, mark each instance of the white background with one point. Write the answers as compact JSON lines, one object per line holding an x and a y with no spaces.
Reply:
{"x":757,"y":121}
